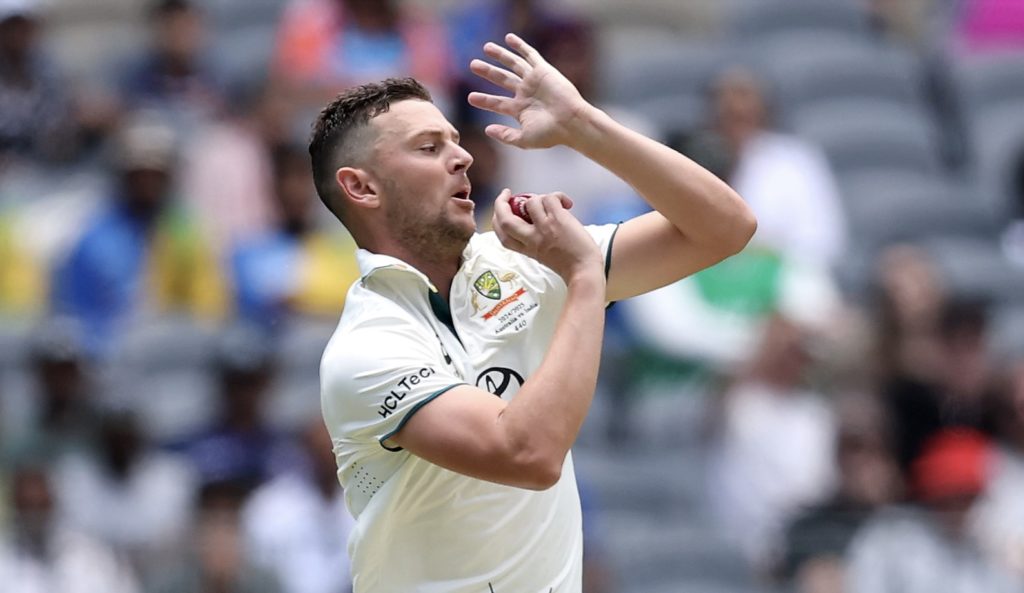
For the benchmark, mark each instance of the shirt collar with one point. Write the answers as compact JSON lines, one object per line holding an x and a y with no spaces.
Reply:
{"x":372,"y":263}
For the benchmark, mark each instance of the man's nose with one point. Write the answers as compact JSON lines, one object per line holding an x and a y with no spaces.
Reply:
{"x":463,"y":160}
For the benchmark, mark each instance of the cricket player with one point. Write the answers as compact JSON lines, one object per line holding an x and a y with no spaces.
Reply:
{"x":464,"y":364}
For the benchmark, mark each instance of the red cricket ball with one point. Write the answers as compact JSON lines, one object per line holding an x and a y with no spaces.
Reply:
{"x":518,"y":205}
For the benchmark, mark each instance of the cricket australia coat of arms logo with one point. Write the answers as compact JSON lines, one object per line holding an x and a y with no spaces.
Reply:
{"x":487,"y":285}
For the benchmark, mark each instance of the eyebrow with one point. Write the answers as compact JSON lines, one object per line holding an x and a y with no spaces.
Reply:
{"x":437,"y":132}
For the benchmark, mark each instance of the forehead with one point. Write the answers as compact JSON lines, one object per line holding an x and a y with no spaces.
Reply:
{"x":406,"y":118}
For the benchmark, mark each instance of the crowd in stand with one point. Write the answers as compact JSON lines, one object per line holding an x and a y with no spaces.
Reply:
{"x":864,"y":436}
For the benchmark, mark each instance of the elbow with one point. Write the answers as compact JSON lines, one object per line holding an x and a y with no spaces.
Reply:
{"x":543,"y":478}
{"x":744,"y":229}
{"x":537,"y":471}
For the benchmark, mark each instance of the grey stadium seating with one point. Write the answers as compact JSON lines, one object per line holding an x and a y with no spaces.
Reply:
{"x":161,"y":370}
{"x":860,"y":137}
{"x":766,"y":20}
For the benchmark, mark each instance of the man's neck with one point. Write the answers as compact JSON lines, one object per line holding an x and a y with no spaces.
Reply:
{"x":438,"y":265}
{"x":440,"y":270}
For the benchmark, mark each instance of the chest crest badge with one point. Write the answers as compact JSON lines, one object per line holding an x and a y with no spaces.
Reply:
{"x":487,"y":285}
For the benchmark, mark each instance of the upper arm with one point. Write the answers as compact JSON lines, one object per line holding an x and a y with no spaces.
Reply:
{"x":393,"y":388}
{"x":374,"y":380}
{"x":649,"y":252}
{"x":462,"y":431}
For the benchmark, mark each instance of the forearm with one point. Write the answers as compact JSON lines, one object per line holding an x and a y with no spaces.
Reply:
{"x":700,"y":205}
{"x":542,"y":421}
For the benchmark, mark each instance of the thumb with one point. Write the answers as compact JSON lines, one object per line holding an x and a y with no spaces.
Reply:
{"x":505,"y":134}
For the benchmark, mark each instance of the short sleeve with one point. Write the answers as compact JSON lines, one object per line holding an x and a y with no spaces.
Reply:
{"x":604,"y":236}
{"x":373,"y":380}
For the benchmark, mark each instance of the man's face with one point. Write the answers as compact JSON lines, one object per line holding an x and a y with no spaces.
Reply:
{"x":421,"y":170}
{"x":145,"y":189}
{"x":17,"y":37}
{"x":739,"y":106}
{"x":180,"y":35}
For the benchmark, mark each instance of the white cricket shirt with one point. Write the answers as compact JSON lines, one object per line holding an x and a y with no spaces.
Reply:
{"x":420,"y":527}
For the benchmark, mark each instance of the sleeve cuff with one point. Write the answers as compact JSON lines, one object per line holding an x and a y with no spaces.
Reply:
{"x":413,"y":410}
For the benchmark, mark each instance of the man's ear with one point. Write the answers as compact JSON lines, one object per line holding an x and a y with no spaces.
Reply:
{"x":359,"y":187}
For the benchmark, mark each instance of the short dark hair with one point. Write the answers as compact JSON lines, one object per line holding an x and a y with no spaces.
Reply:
{"x":329,"y":146}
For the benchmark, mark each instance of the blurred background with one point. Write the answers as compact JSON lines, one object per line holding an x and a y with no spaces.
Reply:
{"x":839,"y":408}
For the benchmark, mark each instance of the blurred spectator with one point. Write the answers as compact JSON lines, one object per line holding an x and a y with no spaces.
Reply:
{"x":954,"y":394}
{"x":786,"y":181}
{"x":297,"y":525}
{"x":772,"y":450}
{"x":297,"y":268}
{"x":173,"y":75}
{"x":65,"y":418}
{"x":23,"y":283}
{"x":911,"y":21}
{"x":716,"y":317}
{"x":999,"y":521}
{"x":35,"y":107}
{"x":327,"y":45}
{"x":4,"y":511}
{"x":216,"y":560}
{"x":142,"y":253}
{"x":911,"y":298}
{"x":817,"y":539}
{"x":240,"y":206}
{"x":472,"y":24}
{"x":598,"y":195}
{"x":1013,"y":235}
{"x":132,"y":497}
{"x":928,"y":549}
{"x":239,"y":446}
{"x":39,"y":554}
{"x":990,"y":25}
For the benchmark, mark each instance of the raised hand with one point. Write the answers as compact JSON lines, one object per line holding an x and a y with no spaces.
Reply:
{"x":546,"y":105}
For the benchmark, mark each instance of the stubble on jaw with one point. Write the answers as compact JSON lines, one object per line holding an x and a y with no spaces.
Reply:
{"x":434,"y":237}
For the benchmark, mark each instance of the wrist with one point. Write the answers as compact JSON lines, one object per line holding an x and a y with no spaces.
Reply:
{"x":584,"y":129}
{"x":586,"y":276}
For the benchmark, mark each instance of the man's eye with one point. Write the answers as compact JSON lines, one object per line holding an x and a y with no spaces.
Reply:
{"x":429,"y":148}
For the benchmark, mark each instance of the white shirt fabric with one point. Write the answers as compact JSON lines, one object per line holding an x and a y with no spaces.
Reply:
{"x":998,"y":519}
{"x":300,"y":536}
{"x":789,"y":185}
{"x":148,"y":511}
{"x":774,"y":456}
{"x":905,"y":551}
{"x":420,"y":527}
{"x":75,"y":563}
{"x":679,"y":321}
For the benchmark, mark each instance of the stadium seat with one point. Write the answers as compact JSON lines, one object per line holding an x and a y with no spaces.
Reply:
{"x":693,"y":18}
{"x":819,"y":77}
{"x":662,"y":79}
{"x":625,"y":480}
{"x":977,"y":268}
{"x":656,"y":549}
{"x":225,"y":15}
{"x":161,"y":369}
{"x":884,"y":209}
{"x":295,"y":395}
{"x":860,"y":136}
{"x":1007,"y":332}
{"x":756,"y":23}
{"x":996,"y":138}
{"x":990,"y":80}
{"x":244,"y":53}
{"x":16,"y":391}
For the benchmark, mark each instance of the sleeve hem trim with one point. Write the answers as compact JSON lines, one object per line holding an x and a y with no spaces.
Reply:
{"x":408,"y":416}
